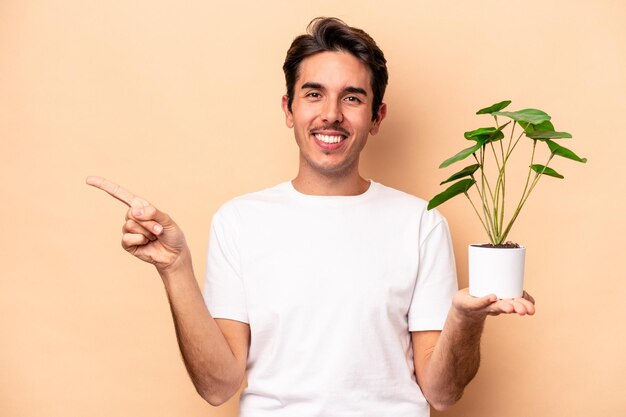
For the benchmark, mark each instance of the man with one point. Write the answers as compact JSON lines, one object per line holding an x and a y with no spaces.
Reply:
{"x":332,"y":294}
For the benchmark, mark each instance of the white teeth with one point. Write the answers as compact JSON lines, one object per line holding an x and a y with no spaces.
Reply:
{"x":328,"y":139}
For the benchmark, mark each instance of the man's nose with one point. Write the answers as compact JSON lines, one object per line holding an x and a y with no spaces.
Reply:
{"x":331,"y":112}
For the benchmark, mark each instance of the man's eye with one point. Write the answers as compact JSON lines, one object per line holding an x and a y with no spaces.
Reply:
{"x":313,"y":94}
{"x":353,"y":99}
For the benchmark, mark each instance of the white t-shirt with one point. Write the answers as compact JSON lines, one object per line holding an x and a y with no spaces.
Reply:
{"x":331,"y":286}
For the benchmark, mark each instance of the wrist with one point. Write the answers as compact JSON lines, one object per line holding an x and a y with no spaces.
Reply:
{"x":182,"y":265}
{"x":467,"y":320}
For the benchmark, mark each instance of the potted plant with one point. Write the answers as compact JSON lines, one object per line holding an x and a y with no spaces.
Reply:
{"x":498,"y":266}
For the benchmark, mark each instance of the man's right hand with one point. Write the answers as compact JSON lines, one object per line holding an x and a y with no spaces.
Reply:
{"x":215,"y":351}
{"x":148,"y":233}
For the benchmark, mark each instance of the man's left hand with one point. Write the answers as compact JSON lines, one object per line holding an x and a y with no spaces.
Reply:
{"x":478,"y":307}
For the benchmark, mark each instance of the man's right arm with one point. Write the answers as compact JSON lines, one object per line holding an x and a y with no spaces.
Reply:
{"x":214,"y":351}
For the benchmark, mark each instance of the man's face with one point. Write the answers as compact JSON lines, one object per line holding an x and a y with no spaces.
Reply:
{"x":331,"y":113}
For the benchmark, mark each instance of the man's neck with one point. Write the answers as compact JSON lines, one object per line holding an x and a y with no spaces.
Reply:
{"x":327,"y":186}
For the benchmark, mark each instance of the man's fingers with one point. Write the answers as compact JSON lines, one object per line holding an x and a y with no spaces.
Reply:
{"x":140,"y":209}
{"x":116,"y":191}
{"x":145,"y":215}
{"x":147,"y":218}
{"x":505,"y":306}
{"x":130,"y":240}
{"x":529,"y":304}
{"x":519,"y":306}
{"x":491,"y":305}
{"x":131,"y":226}
{"x":524,"y":305}
{"x":480,"y":303}
{"x":528,"y":297}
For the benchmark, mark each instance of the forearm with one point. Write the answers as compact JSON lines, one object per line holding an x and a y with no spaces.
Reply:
{"x":149,"y":234}
{"x":444,"y":374}
{"x":210,"y":362}
{"x":454,"y":360}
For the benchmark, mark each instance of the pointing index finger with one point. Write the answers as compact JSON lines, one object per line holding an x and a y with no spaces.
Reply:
{"x":113,"y":189}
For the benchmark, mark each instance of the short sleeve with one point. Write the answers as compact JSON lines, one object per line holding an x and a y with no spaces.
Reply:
{"x":436,"y":276}
{"x":224,"y":292}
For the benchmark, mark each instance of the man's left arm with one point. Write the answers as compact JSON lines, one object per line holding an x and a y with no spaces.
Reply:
{"x":446,"y":361}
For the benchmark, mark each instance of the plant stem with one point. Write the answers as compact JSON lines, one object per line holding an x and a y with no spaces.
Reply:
{"x":495,"y":156}
{"x":485,"y":186}
{"x":480,"y":194}
{"x":480,"y":218}
{"x":496,"y":201}
{"x":516,"y":142}
{"x":503,"y":180}
{"x":532,"y":158}
{"x":525,"y":195}
{"x":503,"y":189}
{"x":485,"y":181}
{"x":502,"y":140}
{"x":508,"y":148}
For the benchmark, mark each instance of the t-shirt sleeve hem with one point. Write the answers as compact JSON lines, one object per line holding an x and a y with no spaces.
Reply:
{"x":425,"y":324}
{"x":217,"y":313}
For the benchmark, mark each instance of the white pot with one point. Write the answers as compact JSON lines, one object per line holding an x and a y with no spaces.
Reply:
{"x":498,"y":271}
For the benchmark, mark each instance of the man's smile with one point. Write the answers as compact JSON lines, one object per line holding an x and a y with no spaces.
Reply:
{"x":330,"y":141}
{"x":329,"y":138}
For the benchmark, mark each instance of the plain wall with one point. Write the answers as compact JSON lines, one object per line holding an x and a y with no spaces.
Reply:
{"x":180,"y":103}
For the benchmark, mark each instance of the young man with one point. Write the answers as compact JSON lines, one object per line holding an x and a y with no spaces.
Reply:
{"x":334,"y":295}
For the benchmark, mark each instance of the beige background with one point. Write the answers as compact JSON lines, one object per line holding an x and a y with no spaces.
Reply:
{"x":179,"y":101}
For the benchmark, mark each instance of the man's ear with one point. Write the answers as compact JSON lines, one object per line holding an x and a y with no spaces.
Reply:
{"x":382,"y":112}
{"x":288,"y":115}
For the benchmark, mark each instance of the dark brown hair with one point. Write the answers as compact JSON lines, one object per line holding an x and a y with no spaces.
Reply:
{"x":331,"y":34}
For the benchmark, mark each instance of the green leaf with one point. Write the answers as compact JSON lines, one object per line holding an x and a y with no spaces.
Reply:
{"x":469,"y":170}
{"x":496,"y":136}
{"x":559,"y":150}
{"x":543,"y":135}
{"x":544,"y":170}
{"x":486,"y":134}
{"x":479,"y":133}
{"x":463,"y":154}
{"x":503,"y":126}
{"x":532,"y":116}
{"x":546,"y":126}
{"x":494,"y":108}
{"x":452,"y":191}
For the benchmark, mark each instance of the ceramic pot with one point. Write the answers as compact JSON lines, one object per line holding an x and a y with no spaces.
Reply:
{"x":498,"y":271}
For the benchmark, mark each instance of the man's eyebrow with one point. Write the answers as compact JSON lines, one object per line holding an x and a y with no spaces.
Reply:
{"x":311,"y":85}
{"x":349,"y":89}
{"x":356,"y":90}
